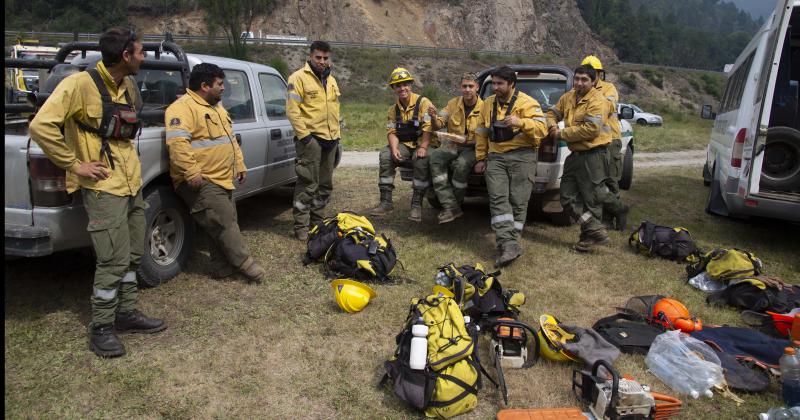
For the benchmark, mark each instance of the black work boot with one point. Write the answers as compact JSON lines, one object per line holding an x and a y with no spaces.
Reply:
{"x":415,"y":215}
{"x":385,"y":206}
{"x":591,"y":238}
{"x":137,"y":322}
{"x":103,"y":342}
{"x":621,"y":219}
{"x":508,"y":255}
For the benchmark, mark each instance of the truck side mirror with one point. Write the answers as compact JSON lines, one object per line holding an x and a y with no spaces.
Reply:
{"x":706,"y":113}
{"x":626,"y":113}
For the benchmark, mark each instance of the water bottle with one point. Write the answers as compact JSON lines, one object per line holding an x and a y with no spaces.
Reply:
{"x":418,"y":357}
{"x":780,"y":413}
{"x":790,"y":377}
{"x":705,"y":283}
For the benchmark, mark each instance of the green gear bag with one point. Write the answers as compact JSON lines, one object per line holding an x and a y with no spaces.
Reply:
{"x":449,"y":384}
{"x":724,"y":265}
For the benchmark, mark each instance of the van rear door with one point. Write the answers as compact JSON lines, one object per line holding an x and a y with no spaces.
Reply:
{"x":767,"y":78}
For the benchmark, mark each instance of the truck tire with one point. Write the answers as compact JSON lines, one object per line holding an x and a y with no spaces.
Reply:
{"x":626,"y":180}
{"x":781,"y":166}
{"x":706,"y":175}
{"x":169,"y":237}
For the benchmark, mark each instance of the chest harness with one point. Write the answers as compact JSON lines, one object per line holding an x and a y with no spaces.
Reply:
{"x":119,"y":121}
{"x":410,"y":130}
{"x":502,"y":132}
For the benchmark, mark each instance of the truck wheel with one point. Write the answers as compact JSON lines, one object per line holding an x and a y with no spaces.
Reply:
{"x":626,"y":179}
{"x":781,"y":167}
{"x":706,"y":175}
{"x":714,"y":203}
{"x":169,"y":237}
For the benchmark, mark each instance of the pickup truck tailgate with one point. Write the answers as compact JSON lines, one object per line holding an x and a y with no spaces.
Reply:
{"x":18,"y":198}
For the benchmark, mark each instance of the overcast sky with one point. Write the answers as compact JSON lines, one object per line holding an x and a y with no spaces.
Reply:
{"x":757,"y":8}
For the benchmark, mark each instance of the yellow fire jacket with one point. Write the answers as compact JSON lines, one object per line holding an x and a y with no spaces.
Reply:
{"x":311,"y":108}
{"x":76,"y":98}
{"x":585,"y":120}
{"x":452,"y":116}
{"x":531,"y":134}
{"x":200,"y":141}
{"x":610,"y":92}
{"x":406,"y":114}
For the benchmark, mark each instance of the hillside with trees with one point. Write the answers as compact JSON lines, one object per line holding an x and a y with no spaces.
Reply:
{"x":703,"y":34}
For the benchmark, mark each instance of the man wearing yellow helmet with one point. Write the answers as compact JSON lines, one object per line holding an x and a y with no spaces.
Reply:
{"x":408,"y":135}
{"x":609,"y":91}
{"x":511,"y":126}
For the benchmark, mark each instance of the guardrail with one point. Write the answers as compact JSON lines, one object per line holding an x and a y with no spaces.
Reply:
{"x":76,"y":36}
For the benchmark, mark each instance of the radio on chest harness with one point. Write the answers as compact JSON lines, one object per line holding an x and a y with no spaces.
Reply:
{"x":501,"y":131}
{"x":119,"y":121}
{"x":410,"y":130}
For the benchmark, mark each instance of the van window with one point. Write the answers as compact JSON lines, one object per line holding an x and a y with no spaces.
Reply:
{"x":734,"y":90}
{"x":274,"y":91}
{"x":237,"y":98}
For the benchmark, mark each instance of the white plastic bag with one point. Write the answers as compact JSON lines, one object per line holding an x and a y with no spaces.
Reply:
{"x":685,"y":364}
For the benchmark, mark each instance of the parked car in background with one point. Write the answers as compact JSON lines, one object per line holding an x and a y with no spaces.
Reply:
{"x":753,"y":156}
{"x":641,"y":117}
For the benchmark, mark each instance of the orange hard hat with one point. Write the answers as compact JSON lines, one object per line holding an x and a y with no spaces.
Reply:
{"x":672,"y":314}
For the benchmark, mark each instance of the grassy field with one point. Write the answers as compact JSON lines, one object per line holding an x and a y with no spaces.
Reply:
{"x":285,"y":350}
{"x":365,"y":129}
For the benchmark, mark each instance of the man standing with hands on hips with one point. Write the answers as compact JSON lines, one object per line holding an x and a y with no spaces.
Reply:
{"x":313,"y":110}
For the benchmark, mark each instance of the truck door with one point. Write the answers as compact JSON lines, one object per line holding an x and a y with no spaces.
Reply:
{"x":768,"y":76}
{"x":280,"y":154}
{"x":247,"y":130}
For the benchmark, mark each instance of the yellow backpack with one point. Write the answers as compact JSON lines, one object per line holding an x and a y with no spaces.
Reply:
{"x":449,"y":384}
{"x":725,"y":265}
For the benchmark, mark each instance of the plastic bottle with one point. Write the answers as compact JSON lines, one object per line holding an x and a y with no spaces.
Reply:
{"x":780,"y":413}
{"x":705,"y":283}
{"x":790,"y":377}
{"x":418,"y":356}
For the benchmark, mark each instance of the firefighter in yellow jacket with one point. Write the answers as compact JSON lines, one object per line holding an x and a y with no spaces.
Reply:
{"x":204,"y":160}
{"x":510,"y":129}
{"x":609,"y":91}
{"x":409,"y":137}
{"x":313,"y":110}
{"x":584,"y":188}
{"x":107,"y":171}
{"x":451,"y":165}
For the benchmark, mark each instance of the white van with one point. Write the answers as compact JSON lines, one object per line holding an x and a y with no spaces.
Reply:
{"x":753,"y":156}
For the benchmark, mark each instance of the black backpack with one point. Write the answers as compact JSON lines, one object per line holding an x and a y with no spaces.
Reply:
{"x":671,"y":243}
{"x":361,"y":255}
{"x":628,"y":332}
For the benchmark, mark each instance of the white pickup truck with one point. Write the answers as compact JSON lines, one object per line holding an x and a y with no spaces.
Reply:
{"x":41,"y":218}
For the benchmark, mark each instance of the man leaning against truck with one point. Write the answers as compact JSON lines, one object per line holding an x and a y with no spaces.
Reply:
{"x":204,"y":159}
{"x":106,"y":168}
{"x":313,"y":110}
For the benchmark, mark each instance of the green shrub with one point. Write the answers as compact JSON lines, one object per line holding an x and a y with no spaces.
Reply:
{"x":474,"y":55}
{"x":654,"y":77}
{"x":629,"y":80}
{"x":432,"y":92}
{"x":280,"y":65}
{"x":712,"y":84}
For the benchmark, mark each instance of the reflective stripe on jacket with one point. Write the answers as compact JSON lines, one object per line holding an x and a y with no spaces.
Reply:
{"x":532,"y":132}
{"x":311,"y":108}
{"x":610,"y":92}
{"x":200,"y":140}
{"x":452,"y":116}
{"x":584,"y":121}
{"x":76,"y":98}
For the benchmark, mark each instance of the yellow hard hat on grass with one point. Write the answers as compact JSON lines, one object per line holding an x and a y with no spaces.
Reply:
{"x":352,"y":296}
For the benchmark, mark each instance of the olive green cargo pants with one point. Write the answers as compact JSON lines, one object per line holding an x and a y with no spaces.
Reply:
{"x":584,"y":187}
{"x":450,"y":189}
{"x":312,"y":190}
{"x":117,"y":228}
{"x":509,"y":180}
{"x":214,"y":209}
{"x":387,"y":168}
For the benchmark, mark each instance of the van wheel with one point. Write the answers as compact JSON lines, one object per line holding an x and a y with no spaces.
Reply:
{"x":169,"y":237}
{"x":626,"y":180}
{"x":706,"y":175}
{"x":641,"y":121}
{"x":714,"y":203}
{"x":781,"y":167}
